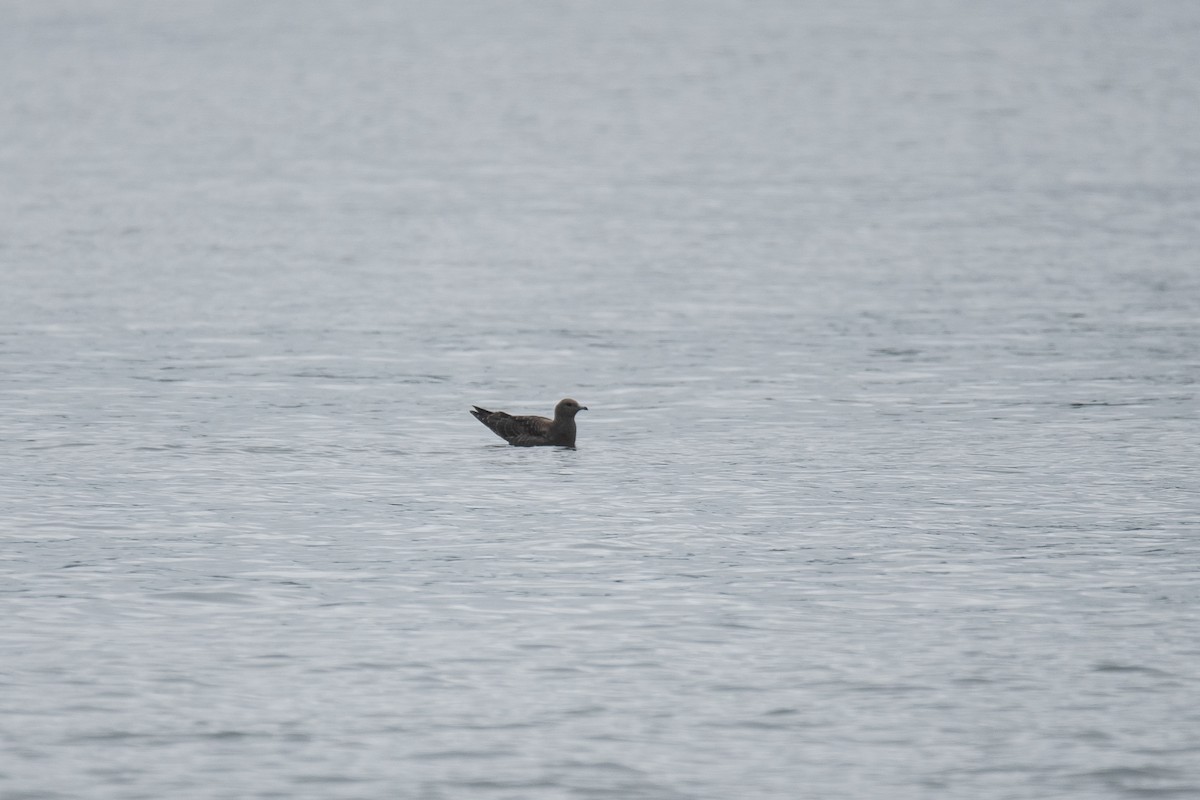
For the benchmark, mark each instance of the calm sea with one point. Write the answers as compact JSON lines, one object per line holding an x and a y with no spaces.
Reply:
{"x":887,"y":315}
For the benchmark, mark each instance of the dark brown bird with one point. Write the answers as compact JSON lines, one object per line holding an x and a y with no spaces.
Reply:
{"x":534,"y":431}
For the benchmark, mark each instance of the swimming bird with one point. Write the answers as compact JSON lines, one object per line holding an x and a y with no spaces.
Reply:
{"x":534,"y":431}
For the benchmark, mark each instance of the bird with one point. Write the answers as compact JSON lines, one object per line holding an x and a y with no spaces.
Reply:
{"x":534,"y":431}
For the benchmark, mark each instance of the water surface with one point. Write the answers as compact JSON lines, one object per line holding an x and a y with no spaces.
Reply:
{"x":887,"y":316}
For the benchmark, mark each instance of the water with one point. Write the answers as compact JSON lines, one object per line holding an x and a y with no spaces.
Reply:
{"x":887,"y":316}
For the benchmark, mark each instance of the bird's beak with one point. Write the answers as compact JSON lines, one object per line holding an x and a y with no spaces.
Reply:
{"x":583,"y":408}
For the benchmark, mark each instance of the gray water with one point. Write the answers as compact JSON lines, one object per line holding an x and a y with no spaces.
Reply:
{"x":887,"y":316}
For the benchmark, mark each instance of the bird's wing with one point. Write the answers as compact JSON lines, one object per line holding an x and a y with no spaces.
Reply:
{"x":520,"y":431}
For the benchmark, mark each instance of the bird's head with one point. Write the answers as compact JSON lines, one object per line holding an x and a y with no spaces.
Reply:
{"x":568,"y":408}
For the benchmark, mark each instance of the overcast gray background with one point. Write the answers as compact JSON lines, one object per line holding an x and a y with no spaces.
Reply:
{"x":887,"y":315}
